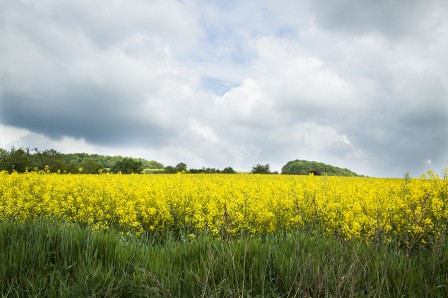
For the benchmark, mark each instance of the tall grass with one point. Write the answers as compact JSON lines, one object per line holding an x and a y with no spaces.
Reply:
{"x":45,"y":259}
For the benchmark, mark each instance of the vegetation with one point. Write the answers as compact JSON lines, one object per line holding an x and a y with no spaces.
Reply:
{"x":228,"y":170}
{"x":153,"y":171}
{"x":206,"y":171}
{"x":128,"y":166}
{"x":304,"y":167}
{"x":109,"y":161}
{"x":179,"y":168}
{"x":60,"y":259}
{"x":182,"y":168}
{"x":261,"y":169}
{"x":14,"y":160}
{"x":22,"y":160}
{"x":409,"y":211}
{"x":222,"y":236}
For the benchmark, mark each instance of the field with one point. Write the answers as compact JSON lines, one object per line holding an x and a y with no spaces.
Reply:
{"x":244,"y":235}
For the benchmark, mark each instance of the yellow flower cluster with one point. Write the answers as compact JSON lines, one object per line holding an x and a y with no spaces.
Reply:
{"x":411,"y":209}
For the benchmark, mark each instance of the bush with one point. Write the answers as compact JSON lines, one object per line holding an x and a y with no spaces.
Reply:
{"x":228,"y":170}
{"x":304,"y":167}
{"x":17,"y":160}
{"x":261,"y":169}
{"x":128,"y":166}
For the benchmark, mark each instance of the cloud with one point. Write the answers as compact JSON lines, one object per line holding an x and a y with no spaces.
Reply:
{"x":101,"y":76}
{"x":230,"y":84}
{"x":11,"y":135}
{"x":14,"y":137}
{"x":384,"y":100}
{"x":392,"y":18}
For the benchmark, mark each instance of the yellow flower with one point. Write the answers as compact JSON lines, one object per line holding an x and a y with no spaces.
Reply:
{"x":362,"y":208}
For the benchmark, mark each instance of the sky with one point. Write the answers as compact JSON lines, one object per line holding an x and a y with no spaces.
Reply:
{"x":357,"y":84}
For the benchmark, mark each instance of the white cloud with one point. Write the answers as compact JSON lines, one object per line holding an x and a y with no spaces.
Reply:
{"x":300,"y":79}
{"x":203,"y":131}
{"x":11,"y":135}
{"x":319,"y":137}
{"x":246,"y":104}
{"x":16,"y":137}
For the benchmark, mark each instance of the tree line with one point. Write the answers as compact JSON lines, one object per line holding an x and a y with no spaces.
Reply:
{"x":51,"y":161}
{"x":182,"y":168}
{"x":25,"y":159}
{"x":305,"y":167}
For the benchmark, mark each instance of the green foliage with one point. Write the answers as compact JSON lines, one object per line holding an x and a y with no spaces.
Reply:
{"x":21,"y":159}
{"x":15,"y":160}
{"x":261,"y":169}
{"x":228,"y":170}
{"x":169,"y":170}
{"x":152,"y":164}
{"x":304,"y":167}
{"x":180,"y":167}
{"x":153,"y":171}
{"x":108,"y":161}
{"x":204,"y":171}
{"x":91,"y":167}
{"x":128,"y":166}
{"x":3,"y":159}
{"x":51,"y":160}
{"x":57,"y":259}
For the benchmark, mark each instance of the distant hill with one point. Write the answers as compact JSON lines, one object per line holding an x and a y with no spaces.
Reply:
{"x":304,"y":167}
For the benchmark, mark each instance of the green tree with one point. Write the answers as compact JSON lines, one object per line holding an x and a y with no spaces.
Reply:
{"x":228,"y":170}
{"x":152,"y":164}
{"x":304,"y":167}
{"x":51,"y":159}
{"x":169,"y":170}
{"x":91,"y":167}
{"x":261,"y":169}
{"x":15,"y":160}
{"x":180,"y":167}
{"x":72,"y":166}
{"x":3,"y":159}
{"x":127,"y":166}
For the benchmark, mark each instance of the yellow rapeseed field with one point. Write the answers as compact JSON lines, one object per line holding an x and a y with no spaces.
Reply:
{"x":216,"y":205}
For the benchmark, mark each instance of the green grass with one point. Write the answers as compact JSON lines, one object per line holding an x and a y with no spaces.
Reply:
{"x":43,"y":259}
{"x":152,"y":171}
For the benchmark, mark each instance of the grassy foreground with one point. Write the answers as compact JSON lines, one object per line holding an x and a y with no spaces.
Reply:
{"x":45,"y":259}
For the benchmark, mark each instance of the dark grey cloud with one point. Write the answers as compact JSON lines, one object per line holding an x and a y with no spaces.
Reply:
{"x":98,"y":116}
{"x":393,"y":18}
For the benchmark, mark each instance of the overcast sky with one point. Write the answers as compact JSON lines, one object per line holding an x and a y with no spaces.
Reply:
{"x":357,"y":84}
